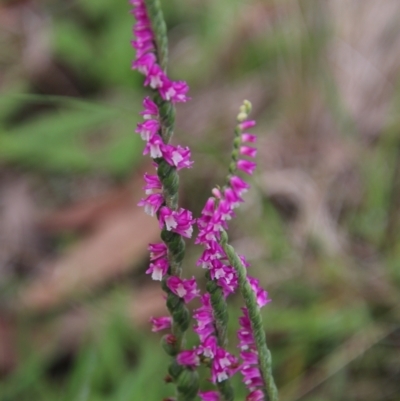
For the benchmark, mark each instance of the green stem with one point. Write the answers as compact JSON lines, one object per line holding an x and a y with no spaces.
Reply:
{"x":264,"y":355}
{"x":159,"y":28}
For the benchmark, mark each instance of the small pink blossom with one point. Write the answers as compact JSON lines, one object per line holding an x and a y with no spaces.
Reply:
{"x":256,"y":395}
{"x":223,"y":365}
{"x":167,"y":217}
{"x":248,"y":151}
{"x":209,"y":395}
{"x":248,"y":137}
{"x":148,"y":129}
{"x":180,"y":221}
{"x":152,"y":203}
{"x":150,"y":109}
{"x":247,"y":166}
{"x":245,"y":333}
{"x":252,"y":377}
{"x":216,"y":192}
{"x":188,"y":358}
{"x":208,"y":347}
{"x":157,"y":250}
{"x":158,"y":269}
{"x":142,"y":47}
{"x":249,"y":357}
{"x":177,"y":156}
{"x":208,"y":209}
{"x":244,"y":261}
{"x":232,"y":197}
{"x":183,"y":288}
{"x":153,"y":147}
{"x":174,"y":91}
{"x":261,"y":294}
{"x":155,"y":77}
{"x":144,"y":63}
{"x":247,"y":124}
{"x":225,"y":210}
{"x":152,"y":183}
{"x":229,"y":282}
{"x":161,"y":323}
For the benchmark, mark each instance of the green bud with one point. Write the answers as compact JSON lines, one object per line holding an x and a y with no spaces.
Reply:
{"x":170,"y":344}
{"x":241,"y":116}
{"x":188,"y":384}
{"x":175,"y":369}
{"x":248,"y":106}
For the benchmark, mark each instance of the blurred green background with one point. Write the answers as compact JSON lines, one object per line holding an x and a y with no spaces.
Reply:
{"x":320,"y":225}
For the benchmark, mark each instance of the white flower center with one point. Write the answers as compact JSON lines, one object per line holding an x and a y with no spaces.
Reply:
{"x":155,"y":151}
{"x":170,"y":222}
{"x":157,"y":274}
{"x":181,"y":291}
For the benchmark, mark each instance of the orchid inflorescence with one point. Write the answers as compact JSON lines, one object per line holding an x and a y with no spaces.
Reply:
{"x":225,"y":270}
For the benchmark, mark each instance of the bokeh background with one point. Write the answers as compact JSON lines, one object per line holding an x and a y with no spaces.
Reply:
{"x":320,"y":226}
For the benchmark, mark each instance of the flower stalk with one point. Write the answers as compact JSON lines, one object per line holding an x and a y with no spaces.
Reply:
{"x":250,"y":299}
{"x":226,"y":271}
{"x":166,"y":258}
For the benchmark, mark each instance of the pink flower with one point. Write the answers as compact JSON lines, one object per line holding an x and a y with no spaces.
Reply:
{"x":232,"y":197}
{"x":174,"y":91}
{"x":180,"y":221}
{"x":144,"y":39}
{"x":167,"y":217}
{"x":144,"y":63}
{"x":238,"y":185}
{"x":228,"y":282}
{"x":216,"y":192}
{"x":183,"y":288}
{"x":177,"y":156}
{"x":158,"y":269}
{"x":185,"y":226}
{"x":249,"y":369}
{"x":161,"y":323}
{"x":155,"y":77}
{"x":204,"y":332}
{"x":208,"y":347}
{"x":248,"y":151}
{"x":223,"y":365}
{"x":244,"y":261}
{"x":152,"y":182}
{"x":209,"y":395}
{"x":248,"y":137}
{"x":213,"y":251}
{"x":205,"y":323}
{"x":225,"y":210}
{"x":247,"y":124}
{"x":208,"y":209}
{"x":152,"y":203}
{"x":157,"y":250}
{"x":247,"y":166}
{"x":142,"y":47}
{"x":188,"y":358}
{"x":153,"y":147}
{"x":256,"y":395}
{"x":261,"y":294}
{"x":249,"y":357}
{"x":245,"y":333}
{"x":203,"y":315}
{"x":148,"y":129}
{"x":150,"y":108}
{"x":251,"y":377}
